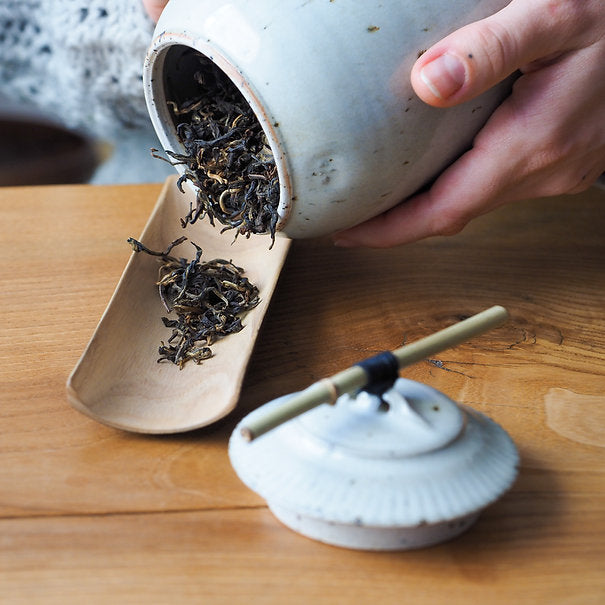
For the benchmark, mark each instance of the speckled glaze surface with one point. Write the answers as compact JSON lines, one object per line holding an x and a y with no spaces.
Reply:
{"x":329,"y":82}
{"x":361,"y":476}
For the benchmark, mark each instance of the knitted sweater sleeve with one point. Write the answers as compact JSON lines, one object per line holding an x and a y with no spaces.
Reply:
{"x":78,"y":60}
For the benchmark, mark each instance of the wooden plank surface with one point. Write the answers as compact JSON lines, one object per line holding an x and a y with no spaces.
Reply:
{"x":91,"y":514}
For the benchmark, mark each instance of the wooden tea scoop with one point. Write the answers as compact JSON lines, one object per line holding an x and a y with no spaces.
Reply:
{"x":118,"y":380}
{"x":356,"y":377}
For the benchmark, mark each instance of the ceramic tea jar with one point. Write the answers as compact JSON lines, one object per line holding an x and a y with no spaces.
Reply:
{"x":329,"y":83}
{"x":407,"y":472}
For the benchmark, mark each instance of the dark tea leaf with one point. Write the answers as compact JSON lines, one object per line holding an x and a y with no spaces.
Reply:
{"x":208,"y":299}
{"x":226,"y":156}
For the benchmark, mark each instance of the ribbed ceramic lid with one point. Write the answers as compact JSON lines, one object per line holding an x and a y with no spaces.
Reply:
{"x":416,"y":457}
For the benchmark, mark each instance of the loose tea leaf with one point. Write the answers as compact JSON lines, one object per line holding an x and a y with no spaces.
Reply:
{"x":208,"y":299}
{"x":227,"y":156}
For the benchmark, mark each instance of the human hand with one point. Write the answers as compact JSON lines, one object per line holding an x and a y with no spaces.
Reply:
{"x":154,"y":8}
{"x":547,"y":138}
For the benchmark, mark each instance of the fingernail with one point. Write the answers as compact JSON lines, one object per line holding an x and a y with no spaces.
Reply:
{"x":444,"y":76}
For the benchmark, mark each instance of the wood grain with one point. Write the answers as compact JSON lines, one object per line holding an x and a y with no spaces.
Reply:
{"x":92,"y":514}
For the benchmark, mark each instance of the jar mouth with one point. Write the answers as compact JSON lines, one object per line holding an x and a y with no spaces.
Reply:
{"x":170,"y":77}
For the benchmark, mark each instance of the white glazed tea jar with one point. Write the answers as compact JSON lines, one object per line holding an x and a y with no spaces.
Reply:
{"x":329,"y":82}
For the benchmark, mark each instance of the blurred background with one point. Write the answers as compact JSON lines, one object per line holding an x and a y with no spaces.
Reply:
{"x":72,"y":107}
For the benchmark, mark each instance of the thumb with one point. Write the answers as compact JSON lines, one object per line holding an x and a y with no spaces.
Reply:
{"x":478,"y":56}
{"x":154,"y":8}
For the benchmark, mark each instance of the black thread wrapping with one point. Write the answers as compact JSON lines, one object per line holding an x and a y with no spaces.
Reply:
{"x":382,"y":371}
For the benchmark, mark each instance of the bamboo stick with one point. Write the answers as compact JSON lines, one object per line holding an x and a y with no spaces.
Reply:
{"x":328,"y":390}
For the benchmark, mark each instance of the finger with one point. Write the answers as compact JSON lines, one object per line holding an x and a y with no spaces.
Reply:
{"x":445,"y":209}
{"x":478,"y":56}
{"x":154,"y":8}
{"x":403,"y":224}
{"x":477,"y":182}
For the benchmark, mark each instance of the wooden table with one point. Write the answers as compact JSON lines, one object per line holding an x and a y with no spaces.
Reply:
{"x":89,"y":514}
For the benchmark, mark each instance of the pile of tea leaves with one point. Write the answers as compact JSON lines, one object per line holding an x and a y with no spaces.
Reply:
{"x":227,"y":157}
{"x":208,"y":299}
